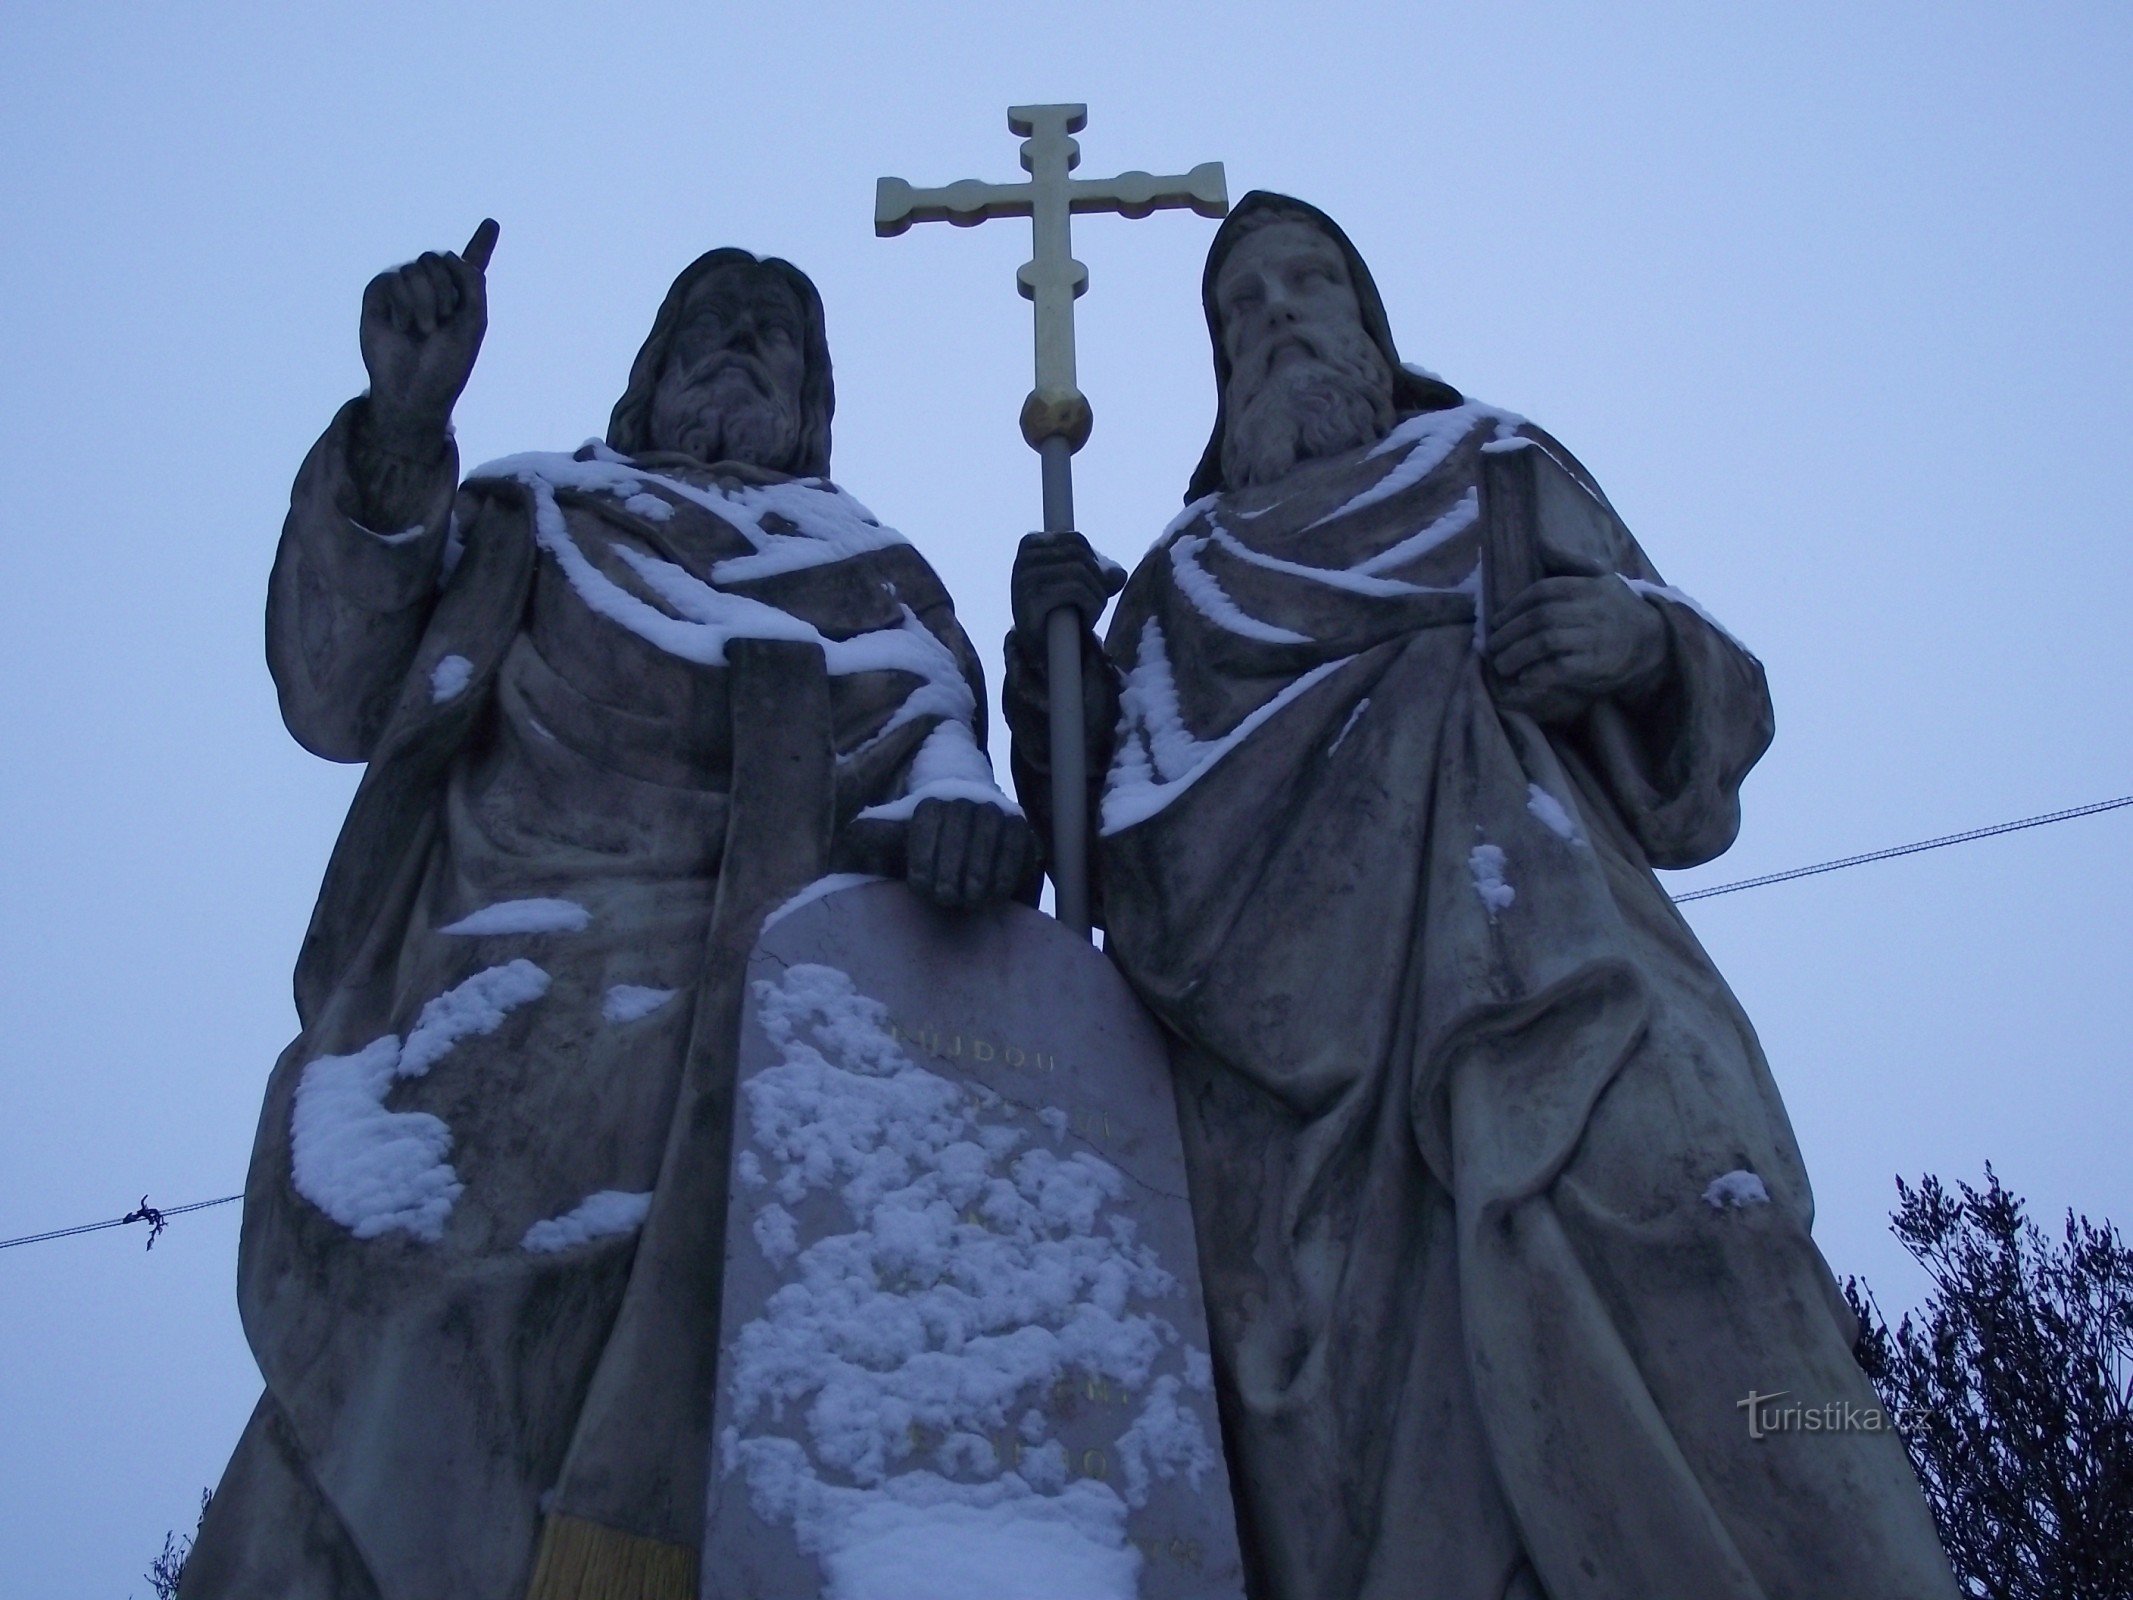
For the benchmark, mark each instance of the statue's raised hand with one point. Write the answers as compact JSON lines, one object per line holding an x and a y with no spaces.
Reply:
{"x":422,"y":328}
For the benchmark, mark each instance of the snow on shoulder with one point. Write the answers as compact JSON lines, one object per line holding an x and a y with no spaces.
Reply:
{"x":803,"y":522}
{"x":871,"y":1396}
{"x":1427,"y":438}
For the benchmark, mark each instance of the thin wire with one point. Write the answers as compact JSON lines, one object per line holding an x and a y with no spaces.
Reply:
{"x":1906,"y":849}
{"x":156,"y":1216}
{"x":148,"y":1214}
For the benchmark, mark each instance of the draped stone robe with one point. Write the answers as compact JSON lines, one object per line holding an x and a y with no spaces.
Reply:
{"x":1500,"y":1214}
{"x":498,"y":984}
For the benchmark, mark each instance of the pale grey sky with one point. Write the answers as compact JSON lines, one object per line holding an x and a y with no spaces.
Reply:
{"x":1833,"y":299}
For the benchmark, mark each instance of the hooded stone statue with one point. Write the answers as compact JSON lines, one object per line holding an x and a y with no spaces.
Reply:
{"x":1500,"y":1216}
{"x":483,"y":1225}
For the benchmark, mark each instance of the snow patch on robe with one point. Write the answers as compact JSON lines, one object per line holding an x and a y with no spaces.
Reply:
{"x":449,"y":678}
{"x":374,"y":1170}
{"x":1157,"y":759}
{"x":538,"y":914}
{"x":1734,"y":1191}
{"x":1486,"y":863}
{"x":632,"y":1002}
{"x":597,"y":1216}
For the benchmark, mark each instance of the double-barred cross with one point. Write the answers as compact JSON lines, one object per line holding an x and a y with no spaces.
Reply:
{"x":1056,"y":416}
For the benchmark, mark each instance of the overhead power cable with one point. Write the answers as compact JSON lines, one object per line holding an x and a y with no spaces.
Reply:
{"x":1905,"y":849}
{"x":157,"y":1218}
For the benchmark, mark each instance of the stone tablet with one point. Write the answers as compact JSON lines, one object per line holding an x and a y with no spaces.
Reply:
{"x":964,"y":1351}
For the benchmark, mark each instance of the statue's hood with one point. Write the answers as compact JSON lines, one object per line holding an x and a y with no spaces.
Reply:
{"x":1412,"y":390}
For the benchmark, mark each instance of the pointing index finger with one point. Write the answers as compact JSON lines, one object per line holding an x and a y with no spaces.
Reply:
{"x":476,"y":254}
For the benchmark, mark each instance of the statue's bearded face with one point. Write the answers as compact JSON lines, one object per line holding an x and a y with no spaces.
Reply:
{"x":731,"y":388}
{"x":1306,"y":379}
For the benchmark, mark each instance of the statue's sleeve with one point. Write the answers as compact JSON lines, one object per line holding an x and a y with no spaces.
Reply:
{"x":1673,"y":760}
{"x":1026,"y":703}
{"x":347,"y":602}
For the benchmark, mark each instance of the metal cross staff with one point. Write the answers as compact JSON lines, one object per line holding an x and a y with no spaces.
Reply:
{"x":1056,"y":416}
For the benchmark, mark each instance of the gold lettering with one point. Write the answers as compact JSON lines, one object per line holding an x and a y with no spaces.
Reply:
{"x":1095,"y":1464}
{"x":980,"y":1050}
{"x":1098,"y":1390}
{"x":1015,"y":1058}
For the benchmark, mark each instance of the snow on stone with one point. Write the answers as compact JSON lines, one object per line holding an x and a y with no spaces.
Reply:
{"x":597,"y":1216}
{"x":1353,"y":580}
{"x":1665,"y":591}
{"x":1553,"y":814}
{"x":704,"y":618}
{"x":710,"y":617}
{"x":372,"y":1170}
{"x":650,"y":507}
{"x":1731,"y":1191}
{"x":1428,"y":438}
{"x":777,"y":1234}
{"x":1505,"y":442}
{"x":1192,"y":513}
{"x":820,"y":889}
{"x":1057,"y":1121}
{"x":948,"y":766}
{"x":535,"y":915}
{"x":1199,"y":1371}
{"x":925,"y":1537}
{"x":1354,"y":717}
{"x":818,"y":523}
{"x":1164,"y":1440}
{"x":476,"y":1006}
{"x":1158,"y":759}
{"x":404,"y":536}
{"x":632,"y":1002}
{"x":449,"y":678}
{"x":1486,"y":863}
{"x":1462,"y":516}
{"x":977,"y":1275}
{"x":830,"y":526}
{"x":1212,"y":601}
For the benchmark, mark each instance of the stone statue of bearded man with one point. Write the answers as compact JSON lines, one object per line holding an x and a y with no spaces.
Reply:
{"x":484,"y":1222}
{"x":1500,"y":1215}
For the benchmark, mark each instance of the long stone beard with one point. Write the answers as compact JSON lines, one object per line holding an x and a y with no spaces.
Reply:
{"x":735,"y":418}
{"x":761,"y":433}
{"x":1303,"y":410}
